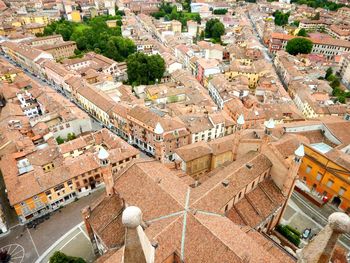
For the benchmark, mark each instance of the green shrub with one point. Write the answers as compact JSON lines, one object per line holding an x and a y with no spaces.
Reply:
{"x":289,"y":234}
{"x":59,"y":257}
{"x":293,"y":230}
{"x":59,"y":140}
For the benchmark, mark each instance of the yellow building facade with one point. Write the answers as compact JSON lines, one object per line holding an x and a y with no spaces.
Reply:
{"x":9,"y":77}
{"x":200,"y":166}
{"x":195,"y":168}
{"x":252,"y":76}
{"x":35,"y":203}
{"x":325,"y":176}
{"x":76,"y":16}
{"x":44,"y":20}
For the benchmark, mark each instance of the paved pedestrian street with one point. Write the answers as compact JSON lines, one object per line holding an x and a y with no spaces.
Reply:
{"x":35,"y":242}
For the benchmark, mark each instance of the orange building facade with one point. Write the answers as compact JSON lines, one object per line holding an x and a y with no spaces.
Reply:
{"x":327,"y":177}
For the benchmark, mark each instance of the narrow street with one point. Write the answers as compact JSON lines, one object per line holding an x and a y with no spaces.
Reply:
{"x":265,"y":51}
{"x":34,"y":242}
{"x":320,"y":215}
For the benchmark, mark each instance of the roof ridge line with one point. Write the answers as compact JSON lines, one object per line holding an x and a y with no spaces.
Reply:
{"x":225,"y":167}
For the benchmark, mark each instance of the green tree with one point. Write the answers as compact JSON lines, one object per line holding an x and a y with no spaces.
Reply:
{"x":143,"y":69}
{"x":186,"y":5}
{"x":71,"y":136}
{"x":221,"y":11}
{"x":218,"y":30}
{"x":335,"y":83}
{"x":214,"y":29}
{"x":281,"y":18}
{"x":59,"y":257}
{"x":201,"y":36}
{"x":59,"y":140}
{"x":299,"y":45}
{"x":302,"y":33}
{"x":94,"y":35}
{"x":329,"y":72}
{"x":327,"y":4}
{"x":295,"y":23}
{"x":119,"y":48}
{"x":48,"y":31}
{"x":65,"y":30}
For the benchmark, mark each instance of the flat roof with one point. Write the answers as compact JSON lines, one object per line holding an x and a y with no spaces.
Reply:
{"x":321,"y":147}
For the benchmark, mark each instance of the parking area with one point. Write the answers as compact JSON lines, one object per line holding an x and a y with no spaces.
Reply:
{"x":36,"y":241}
{"x":74,"y":243}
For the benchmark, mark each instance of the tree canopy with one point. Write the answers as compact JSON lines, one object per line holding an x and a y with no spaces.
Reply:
{"x":143,"y":69}
{"x":95,"y":35}
{"x":221,"y":11}
{"x":169,"y":12}
{"x":214,"y":29}
{"x":319,"y":3}
{"x":299,"y":45}
{"x":329,"y":72}
{"x":59,"y":257}
{"x":333,"y":80}
{"x":302,"y":33}
{"x":281,"y":18}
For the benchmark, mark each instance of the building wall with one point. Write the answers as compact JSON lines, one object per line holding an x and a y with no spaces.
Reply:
{"x":327,"y":50}
{"x":76,"y":126}
{"x":65,"y":192}
{"x":47,"y":41}
{"x":253,"y":77}
{"x":220,"y":159}
{"x":317,"y":170}
{"x":31,"y":205}
{"x":93,"y":109}
{"x":64,"y":51}
{"x":199,"y":166}
{"x":76,"y":16}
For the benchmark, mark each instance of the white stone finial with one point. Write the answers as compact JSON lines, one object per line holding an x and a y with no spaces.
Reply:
{"x":300,"y":151}
{"x":132,"y":217}
{"x":270,"y":124}
{"x":159,"y":129}
{"x":339,"y":222}
{"x":102,"y":154}
{"x":240,"y":120}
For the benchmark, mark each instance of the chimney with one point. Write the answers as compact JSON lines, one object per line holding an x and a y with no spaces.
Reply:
{"x":106,"y":170}
{"x":292,"y":175}
{"x":320,"y":249}
{"x":269,"y":126}
{"x":239,"y":127}
{"x":159,"y":143}
{"x":138,"y":248}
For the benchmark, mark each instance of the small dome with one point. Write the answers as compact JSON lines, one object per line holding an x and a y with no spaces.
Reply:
{"x":339,"y":222}
{"x":300,"y":151}
{"x":270,"y":124}
{"x":240,"y":120}
{"x":159,"y":129}
{"x":132,"y":217}
{"x":103,"y":154}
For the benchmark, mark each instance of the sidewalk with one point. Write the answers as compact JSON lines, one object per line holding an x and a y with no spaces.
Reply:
{"x":36,"y":242}
{"x":74,"y":243}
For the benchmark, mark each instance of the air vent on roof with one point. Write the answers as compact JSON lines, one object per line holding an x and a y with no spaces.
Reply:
{"x":225,"y":183}
{"x":249,"y":166}
{"x":154,"y":244}
{"x":256,"y":135}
